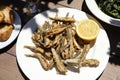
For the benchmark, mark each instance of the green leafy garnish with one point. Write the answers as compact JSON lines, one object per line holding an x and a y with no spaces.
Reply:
{"x":110,"y":7}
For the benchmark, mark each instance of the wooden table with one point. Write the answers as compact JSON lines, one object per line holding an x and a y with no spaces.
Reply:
{"x":9,"y":68}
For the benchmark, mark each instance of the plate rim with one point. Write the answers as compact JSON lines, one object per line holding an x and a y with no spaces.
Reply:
{"x":27,"y":24}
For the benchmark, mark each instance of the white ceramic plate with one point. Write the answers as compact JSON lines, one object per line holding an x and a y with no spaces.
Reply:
{"x":31,"y":66}
{"x":93,"y":7}
{"x":15,"y":32}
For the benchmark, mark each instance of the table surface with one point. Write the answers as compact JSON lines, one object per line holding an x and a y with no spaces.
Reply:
{"x":9,"y":68}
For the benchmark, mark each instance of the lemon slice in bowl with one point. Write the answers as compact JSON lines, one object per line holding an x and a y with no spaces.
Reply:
{"x":87,"y":29}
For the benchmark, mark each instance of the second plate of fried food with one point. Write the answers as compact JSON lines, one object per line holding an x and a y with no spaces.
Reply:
{"x":10,"y":26}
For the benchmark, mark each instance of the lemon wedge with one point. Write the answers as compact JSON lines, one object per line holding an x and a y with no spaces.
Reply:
{"x":87,"y":29}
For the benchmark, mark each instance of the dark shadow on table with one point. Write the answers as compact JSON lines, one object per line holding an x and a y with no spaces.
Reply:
{"x":24,"y":76}
{"x":113,"y":33}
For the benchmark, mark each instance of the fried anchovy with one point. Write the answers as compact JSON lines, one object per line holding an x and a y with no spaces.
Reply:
{"x":36,"y":49}
{"x":90,"y":62}
{"x":82,"y":55}
{"x":66,"y":19}
{"x":60,"y":66}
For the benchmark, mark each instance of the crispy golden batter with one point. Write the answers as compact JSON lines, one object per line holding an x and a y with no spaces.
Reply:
{"x":6,"y":22}
{"x":5,"y":32}
{"x":8,"y":14}
{"x":1,"y":16}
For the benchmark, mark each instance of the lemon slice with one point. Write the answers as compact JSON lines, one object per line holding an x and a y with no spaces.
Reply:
{"x":87,"y":29}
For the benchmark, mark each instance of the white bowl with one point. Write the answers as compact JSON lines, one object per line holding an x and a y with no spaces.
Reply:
{"x":93,"y":7}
